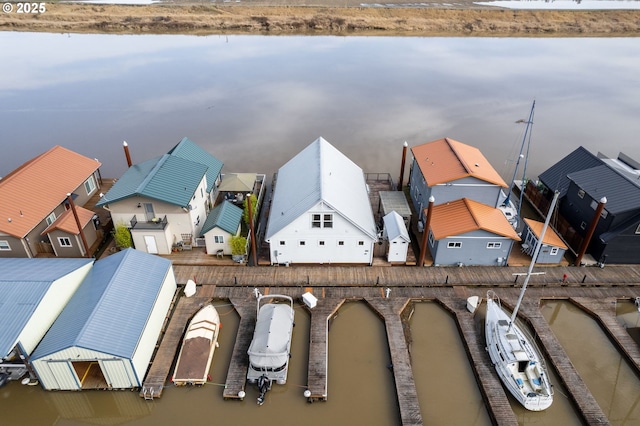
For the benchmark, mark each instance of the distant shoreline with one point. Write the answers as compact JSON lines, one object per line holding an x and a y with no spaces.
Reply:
{"x":462,"y":19}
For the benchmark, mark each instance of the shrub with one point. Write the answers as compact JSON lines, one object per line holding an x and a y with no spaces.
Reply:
{"x":122,"y":235}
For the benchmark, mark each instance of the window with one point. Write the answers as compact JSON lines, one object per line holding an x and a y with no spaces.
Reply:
{"x":494,"y":245}
{"x":360,"y":243}
{"x":581,"y":193}
{"x":302,"y":243}
{"x":454,"y":244}
{"x":431,"y":242}
{"x":64,"y":242}
{"x":341,"y":243}
{"x":4,"y":245}
{"x":90,"y":185}
{"x":321,"y":243}
{"x":51,"y":218}
{"x":583,"y":225}
{"x":282,"y":243}
{"x":322,"y":220}
{"x":218,"y":239}
{"x":554,"y":251}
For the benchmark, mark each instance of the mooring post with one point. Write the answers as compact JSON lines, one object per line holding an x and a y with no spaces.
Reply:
{"x":584,"y":278}
{"x":446,"y":280}
{"x":235,"y":280}
{"x":516,"y":280}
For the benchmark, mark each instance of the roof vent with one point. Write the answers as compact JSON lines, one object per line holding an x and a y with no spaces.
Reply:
{"x":477,"y":165}
{"x":9,"y":219}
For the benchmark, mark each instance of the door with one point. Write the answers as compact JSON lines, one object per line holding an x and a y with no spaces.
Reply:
{"x":150,"y":242}
{"x":148,"y":211}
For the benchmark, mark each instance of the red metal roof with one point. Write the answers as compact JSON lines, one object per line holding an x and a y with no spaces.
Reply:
{"x":32,"y":191}
{"x":445,"y":160}
{"x":464,"y":215}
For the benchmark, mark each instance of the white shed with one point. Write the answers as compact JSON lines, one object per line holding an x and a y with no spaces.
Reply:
{"x":397,"y":237}
{"x":106,"y":335}
{"x":321,"y":211}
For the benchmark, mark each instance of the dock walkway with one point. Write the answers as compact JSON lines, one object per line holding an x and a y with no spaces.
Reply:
{"x":594,"y":289}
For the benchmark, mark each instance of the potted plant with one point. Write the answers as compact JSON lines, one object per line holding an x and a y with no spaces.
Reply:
{"x":238,"y":248}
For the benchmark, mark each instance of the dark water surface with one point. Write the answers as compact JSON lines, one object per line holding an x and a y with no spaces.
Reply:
{"x":254,"y":101}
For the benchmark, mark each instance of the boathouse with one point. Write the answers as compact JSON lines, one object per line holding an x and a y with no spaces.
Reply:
{"x":320,"y":211}
{"x":450,"y":170}
{"x":223,"y":222}
{"x":35,"y":211}
{"x":584,"y":181}
{"x":465,"y":232}
{"x":105,"y":336}
{"x":552,"y":249}
{"x":165,"y":201}
{"x":33,"y":292}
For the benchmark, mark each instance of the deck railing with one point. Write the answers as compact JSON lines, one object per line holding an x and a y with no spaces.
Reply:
{"x":155,"y":223}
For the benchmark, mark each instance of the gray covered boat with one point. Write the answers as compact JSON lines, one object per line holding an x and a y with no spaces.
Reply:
{"x":269,"y":351}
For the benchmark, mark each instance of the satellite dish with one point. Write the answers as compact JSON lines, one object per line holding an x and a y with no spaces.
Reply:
{"x":190,"y":288}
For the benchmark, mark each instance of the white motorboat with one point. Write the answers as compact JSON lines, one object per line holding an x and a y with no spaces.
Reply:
{"x":515,"y":357}
{"x":269,"y":351}
{"x":198,"y":346}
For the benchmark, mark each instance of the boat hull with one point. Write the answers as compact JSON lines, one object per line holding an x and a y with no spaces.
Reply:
{"x":198,"y":347}
{"x":516,"y":360}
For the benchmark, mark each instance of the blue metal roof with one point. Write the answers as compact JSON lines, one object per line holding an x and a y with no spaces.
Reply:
{"x":189,"y":150}
{"x":225,"y":216}
{"x":23,"y":284}
{"x":171,"y":179}
{"x":110,"y":310}
{"x":555,"y":177}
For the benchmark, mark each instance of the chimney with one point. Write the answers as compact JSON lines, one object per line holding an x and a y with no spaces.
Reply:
{"x":404,"y":158}
{"x":126,"y":153}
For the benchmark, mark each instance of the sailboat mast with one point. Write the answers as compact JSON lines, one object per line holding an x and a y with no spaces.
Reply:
{"x":520,"y":156}
{"x":534,"y":257}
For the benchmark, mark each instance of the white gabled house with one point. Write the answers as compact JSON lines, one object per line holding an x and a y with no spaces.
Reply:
{"x":320,"y":212}
{"x":396,"y":236}
{"x":223,"y":222}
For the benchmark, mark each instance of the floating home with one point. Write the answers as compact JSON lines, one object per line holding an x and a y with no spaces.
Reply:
{"x":320,"y":211}
{"x":584,"y":181}
{"x":106,"y":335}
{"x":38,"y":199}
{"x":165,"y":201}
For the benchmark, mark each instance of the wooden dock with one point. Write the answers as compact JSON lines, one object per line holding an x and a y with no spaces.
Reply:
{"x":593,"y":289}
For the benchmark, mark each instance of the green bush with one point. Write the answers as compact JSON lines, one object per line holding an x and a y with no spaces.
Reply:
{"x":238,"y":245}
{"x":122,"y":235}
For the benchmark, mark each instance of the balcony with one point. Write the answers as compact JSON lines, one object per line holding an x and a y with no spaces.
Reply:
{"x":157,"y":224}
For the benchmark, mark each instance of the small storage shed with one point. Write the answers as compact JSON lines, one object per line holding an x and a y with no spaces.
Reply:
{"x":222,"y":223}
{"x":553,"y":248}
{"x":33,"y":292}
{"x":397,"y":237}
{"x":106,"y":335}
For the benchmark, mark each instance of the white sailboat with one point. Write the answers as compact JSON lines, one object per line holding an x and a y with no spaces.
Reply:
{"x":518,"y":362}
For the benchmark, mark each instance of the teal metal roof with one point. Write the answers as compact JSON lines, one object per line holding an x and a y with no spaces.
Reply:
{"x":189,"y":150}
{"x":109,"y":311}
{"x":225,"y":216}
{"x":171,"y":179}
{"x":23,"y":284}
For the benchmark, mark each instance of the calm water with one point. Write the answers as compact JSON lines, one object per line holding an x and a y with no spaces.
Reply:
{"x":255,"y":101}
{"x":611,"y":380}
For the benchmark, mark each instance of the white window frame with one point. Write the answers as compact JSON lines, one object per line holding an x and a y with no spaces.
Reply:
{"x":581,"y":193}
{"x":51,"y":218}
{"x":494,"y":245}
{"x":454,"y":244}
{"x":554,"y":251}
{"x":431,"y":240}
{"x":316,"y":220}
{"x":4,"y":245}
{"x":218,"y":239}
{"x":341,"y":242}
{"x":282,"y":243}
{"x":64,"y":242}
{"x":90,"y":185}
{"x":327,"y":220}
{"x":302,"y":243}
{"x":321,"y":243}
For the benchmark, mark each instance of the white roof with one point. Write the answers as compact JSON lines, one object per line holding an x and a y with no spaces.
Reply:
{"x":394,"y":224}
{"x":321,"y":173}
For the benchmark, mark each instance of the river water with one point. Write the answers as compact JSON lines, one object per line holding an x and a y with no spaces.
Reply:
{"x":255,"y":102}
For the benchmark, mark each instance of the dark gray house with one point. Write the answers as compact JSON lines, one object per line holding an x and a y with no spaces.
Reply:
{"x":583,"y":179}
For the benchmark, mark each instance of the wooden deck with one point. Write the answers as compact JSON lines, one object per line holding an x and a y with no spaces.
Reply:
{"x":593,"y":289}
